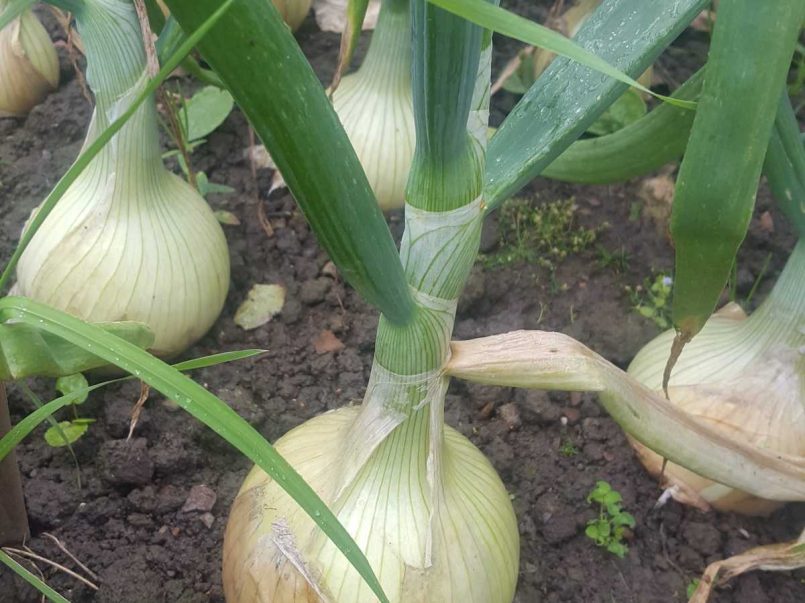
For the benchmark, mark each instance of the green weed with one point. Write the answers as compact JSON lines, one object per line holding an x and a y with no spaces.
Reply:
{"x":608,"y":529}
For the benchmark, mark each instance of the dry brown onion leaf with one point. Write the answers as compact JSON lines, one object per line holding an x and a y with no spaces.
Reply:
{"x":546,"y":360}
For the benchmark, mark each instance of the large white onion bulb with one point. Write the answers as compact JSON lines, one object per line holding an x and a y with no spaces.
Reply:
{"x":273,"y":552}
{"x":129,"y":240}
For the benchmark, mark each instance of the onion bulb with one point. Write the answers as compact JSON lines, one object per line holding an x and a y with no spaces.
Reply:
{"x":273,"y":551}
{"x":128,"y":240}
{"x":29,"y":66}
{"x":293,"y":11}
{"x":375,"y":105}
{"x":744,"y":376}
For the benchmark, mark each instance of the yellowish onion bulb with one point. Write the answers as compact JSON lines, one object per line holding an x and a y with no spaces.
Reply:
{"x":742,"y":376}
{"x":128,"y":240}
{"x":375,"y":105}
{"x":293,"y":11}
{"x":29,"y":66}
{"x":762,"y":407}
{"x":273,"y":552}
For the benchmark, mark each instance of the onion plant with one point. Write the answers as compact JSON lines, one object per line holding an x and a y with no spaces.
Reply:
{"x":384,"y":501}
{"x":391,"y":470}
{"x":39,"y":340}
{"x":129,"y":240}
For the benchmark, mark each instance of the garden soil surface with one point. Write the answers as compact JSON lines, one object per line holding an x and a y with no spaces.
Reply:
{"x":150,"y":514}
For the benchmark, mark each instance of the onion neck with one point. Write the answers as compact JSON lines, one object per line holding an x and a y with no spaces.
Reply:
{"x":116,"y":73}
{"x":387,"y":65}
{"x":402,"y":416}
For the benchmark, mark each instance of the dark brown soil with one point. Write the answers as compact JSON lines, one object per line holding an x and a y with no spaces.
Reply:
{"x":127,"y":524}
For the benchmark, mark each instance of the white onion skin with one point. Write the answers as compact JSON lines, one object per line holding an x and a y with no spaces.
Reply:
{"x":131,"y":241}
{"x":380,"y":125}
{"x":475,"y":547}
{"x":128,"y":241}
{"x":29,"y":65}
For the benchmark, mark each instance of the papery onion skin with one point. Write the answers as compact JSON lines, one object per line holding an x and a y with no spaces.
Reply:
{"x":763,"y":407}
{"x":475,"y":535}
{"x":293,"y":11}
{"x":29,"y":65}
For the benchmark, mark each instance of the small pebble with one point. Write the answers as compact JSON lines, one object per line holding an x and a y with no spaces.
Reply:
{"x":486,"y":411}
{"x":511,"y":416}
{"x":201,"y":498}
{"x":313,"y":292}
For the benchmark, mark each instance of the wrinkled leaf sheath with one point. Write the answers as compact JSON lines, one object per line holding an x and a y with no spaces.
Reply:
{"x":261,"y":64}
{"x":718,"y":179}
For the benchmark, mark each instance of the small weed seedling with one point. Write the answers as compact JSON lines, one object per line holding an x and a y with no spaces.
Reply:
{"x":190,"y":121}
{"x":607,"y":531}
{"x":568,"y":449}
{"x":653,"y":300}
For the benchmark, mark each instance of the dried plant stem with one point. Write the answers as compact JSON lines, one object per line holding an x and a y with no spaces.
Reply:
{"x":58,"y":566}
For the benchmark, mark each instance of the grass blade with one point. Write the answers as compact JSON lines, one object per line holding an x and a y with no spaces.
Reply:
{"x":23,"y":429}
{"x":216,"y":359}
{"x":514,"y":26}
{"x":31,"y":578}
{"x":27,"y":352}
{"x":785,"y":165}
{"x":295,"y":120}
{"x":200,"y":403}
{"x":569,"y":97}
